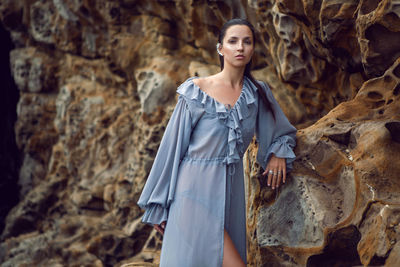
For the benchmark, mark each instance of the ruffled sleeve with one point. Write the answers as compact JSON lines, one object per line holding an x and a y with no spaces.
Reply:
{"x":274,"y":136}
{"x":159,"y":189}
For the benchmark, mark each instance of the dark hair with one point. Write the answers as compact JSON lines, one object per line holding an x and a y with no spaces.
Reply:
{"x":247,"y":70}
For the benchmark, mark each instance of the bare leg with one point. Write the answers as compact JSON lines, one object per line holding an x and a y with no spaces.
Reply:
{"x":231,"y":256}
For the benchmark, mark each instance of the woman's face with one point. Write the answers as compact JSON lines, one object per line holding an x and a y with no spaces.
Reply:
{"x":237,"y":45}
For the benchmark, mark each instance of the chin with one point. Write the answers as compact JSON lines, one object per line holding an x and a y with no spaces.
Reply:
{"x":238,"y":64}
{"x":243,"y":64}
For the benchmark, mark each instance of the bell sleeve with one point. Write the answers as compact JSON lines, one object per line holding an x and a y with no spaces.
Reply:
{"x":274,"y":136}
{"x":158,"y":191}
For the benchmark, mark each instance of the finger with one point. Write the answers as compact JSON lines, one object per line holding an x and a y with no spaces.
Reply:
{"x":269,"y":179}
{"x":279,"y":176}
{"x":284,"y":174}
{"x":274,"y":179}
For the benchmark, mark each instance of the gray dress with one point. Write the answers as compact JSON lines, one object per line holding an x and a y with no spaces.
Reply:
{"x":196,"y":183}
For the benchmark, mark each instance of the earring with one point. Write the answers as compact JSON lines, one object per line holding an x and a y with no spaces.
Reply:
{"x":218,"y":45}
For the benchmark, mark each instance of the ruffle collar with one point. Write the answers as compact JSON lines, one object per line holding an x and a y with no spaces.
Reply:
{"x":231,"y":117}
{"x":192,"y":91}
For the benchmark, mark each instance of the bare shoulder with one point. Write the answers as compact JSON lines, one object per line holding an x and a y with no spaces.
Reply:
{"x":198,"y":81}
{"x":205,"y":82}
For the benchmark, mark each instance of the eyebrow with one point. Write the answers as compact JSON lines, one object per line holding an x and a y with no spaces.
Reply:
{"x":234,"y":37}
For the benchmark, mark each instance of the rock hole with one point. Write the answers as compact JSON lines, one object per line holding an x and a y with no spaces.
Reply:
{"x":396,"y":71}
{"x":353,"y":141}
{"x":84,"y":11}
{"x":115,"y":13}
{"x":21,"y":226}
{"x":396,"y":90}
{"x":369,"y":6}
{"x":142,"y":75}
{"x":374,"y":95}
{"x":394,"y":129}
{"x":152,"y":243}
{"x":378,"y":261}
{"x":381,"y":111}
{"x":341,"y":249}
{"x":341,"y":138}
{"x":266,"y":37}
{"x":389,"y":101}
{"x":386,"y":43}
{"x":379,"y":104}
{"x":269,"y":18}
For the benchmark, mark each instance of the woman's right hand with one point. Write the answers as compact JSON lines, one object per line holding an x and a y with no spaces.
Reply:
{"x":160,"y":227}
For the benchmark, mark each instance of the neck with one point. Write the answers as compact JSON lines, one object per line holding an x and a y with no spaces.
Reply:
{"x":234,"y":76}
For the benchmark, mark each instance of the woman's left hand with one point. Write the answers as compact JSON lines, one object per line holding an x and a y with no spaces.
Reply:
{"x":276,"y":170}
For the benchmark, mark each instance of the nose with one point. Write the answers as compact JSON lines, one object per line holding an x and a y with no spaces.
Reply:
{"x":240,"y":45}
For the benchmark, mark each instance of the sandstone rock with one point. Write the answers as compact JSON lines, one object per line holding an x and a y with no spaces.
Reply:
{"x":377,"y":32}
{"x":343,"y":187}
{"x":291,"y":106}
{"x":155,"y":87}
{"x":202,"y":70}
{"x":33,"y":71}
{"x":97,"y":83}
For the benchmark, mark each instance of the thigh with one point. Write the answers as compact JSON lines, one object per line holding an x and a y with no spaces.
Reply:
{"x":231,"y":257}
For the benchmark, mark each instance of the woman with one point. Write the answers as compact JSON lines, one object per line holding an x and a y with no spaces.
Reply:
{"x":194,"y":194}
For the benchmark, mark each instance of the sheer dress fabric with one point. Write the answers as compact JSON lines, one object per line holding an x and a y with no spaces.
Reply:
{"x":196,"y":183}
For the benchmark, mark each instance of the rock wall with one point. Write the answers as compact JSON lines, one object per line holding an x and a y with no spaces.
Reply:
{"x":341,"y":205}
{"x":97,"y":83}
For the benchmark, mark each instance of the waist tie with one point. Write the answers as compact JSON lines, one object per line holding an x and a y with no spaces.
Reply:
{"x":231,"y":172}
{"x":231,"y":169}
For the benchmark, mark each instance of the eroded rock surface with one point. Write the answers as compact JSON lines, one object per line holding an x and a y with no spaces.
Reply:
{"x":340,"y":205}
{"x":97,"y":83}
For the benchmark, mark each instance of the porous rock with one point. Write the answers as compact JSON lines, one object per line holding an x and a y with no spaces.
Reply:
{"x":97,"y":83}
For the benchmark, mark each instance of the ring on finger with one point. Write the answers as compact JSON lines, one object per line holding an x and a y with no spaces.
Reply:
{"x":271,"y":172}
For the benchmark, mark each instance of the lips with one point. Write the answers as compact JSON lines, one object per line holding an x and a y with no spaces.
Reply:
{"x":239,"y":56}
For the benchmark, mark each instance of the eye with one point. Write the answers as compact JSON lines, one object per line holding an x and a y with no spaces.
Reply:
{"x":231,"y":41}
